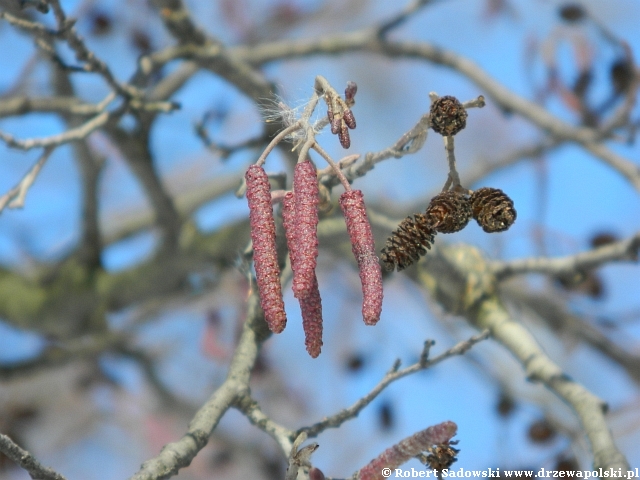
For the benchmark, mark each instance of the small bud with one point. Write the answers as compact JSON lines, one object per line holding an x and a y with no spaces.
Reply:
{"x":349,"y":119}
{"x":492,"y":209}
{"x":408,"y":243}
{"x":364,"y":249}
{"x":335,"y":124}
{"x":449,"y":212}
{"x":350,"y":91}
{"x":448,"y":116}
{"x":265,"y":256}
{"x":343,"y":136}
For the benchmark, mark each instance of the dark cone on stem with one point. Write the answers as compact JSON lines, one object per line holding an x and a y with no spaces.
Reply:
{"x":448,"y":116}
{"x":492,"y":209}
{"x":408,"y":243}
{"x":449,"y":212}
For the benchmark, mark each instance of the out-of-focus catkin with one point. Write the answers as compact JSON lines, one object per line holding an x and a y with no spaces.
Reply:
{"x":363,"y":247}
{"x":408,"y":448}
{"x":305,"y":186}
{"x":310,"y":304}
{"x":265,"y":257}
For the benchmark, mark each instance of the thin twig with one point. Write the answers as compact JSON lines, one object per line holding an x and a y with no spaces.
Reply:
{"x":15,"y":197}
{"x":394,"y":374}
{"x":617,"y":251}
{"x":27,"y":461}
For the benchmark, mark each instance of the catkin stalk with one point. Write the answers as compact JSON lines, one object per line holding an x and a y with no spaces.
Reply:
{"x":265,"y":257}
{"x":364,"y":249}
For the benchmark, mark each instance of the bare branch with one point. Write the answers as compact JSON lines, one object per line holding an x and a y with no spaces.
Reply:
{"x":394,"y":374}
{"x":15,"y":197}
{"x":83,"y":131}
{"x":617,"y":251}
{"x":180,"y":453}
{"x":461,"y":281}
{"x":27,"y":461}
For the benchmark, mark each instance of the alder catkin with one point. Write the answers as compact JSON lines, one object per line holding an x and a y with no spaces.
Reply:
{"x":265,"y":256}
{"x":408,"y":242}
{"x":408,"y":448}
{"x":310,"y":304}
{"x":363,"y":247}
{"x":449,"y":212}
{"x":305,"y":185}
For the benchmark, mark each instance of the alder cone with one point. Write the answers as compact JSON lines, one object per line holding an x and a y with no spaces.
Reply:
{"x":449,"y":212}
{"x":310,"y":304}
{"x":265,"y":256}
{"x":408,"y":242}
{"x":448,"y":116}
{"x":306,"y":195}
{"x":492,"y":209}
{"x":364,"y":249}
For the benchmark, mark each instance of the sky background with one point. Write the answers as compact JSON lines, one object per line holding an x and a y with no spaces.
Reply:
{"x":562,"y":200}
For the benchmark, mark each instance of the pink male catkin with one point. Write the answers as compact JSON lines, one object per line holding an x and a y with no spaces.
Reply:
{"x":310,"y":304}
{"x":265,"y":257}
{"x":364,"y":249}
{"x":408,"y":448}
{"x":305,"y":186}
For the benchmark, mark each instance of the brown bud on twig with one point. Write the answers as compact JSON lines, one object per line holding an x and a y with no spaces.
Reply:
{"x":305,"y":185}
{"x":265,"y":257}
{"x":310,"y":304}
{"x":408,"y":243}
{"x":343,"y":135}
{"x":349,"y":119}
{"x":448,"y":116}
{"x":492,"y":209}
{"x":408,"y":448}
{"x":364,"y":249}
{"x":449,"y":212}
{"x":350,"y":92}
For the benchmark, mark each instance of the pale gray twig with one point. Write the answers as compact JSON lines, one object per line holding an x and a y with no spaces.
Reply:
{"x":617,"y":251}
{"x":15,"y":197}
{"x":27,"y":461}
{"x":394,"y":374}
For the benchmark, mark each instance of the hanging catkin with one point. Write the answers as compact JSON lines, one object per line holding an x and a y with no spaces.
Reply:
{"x":310,"y":304}
{"x":305,"y":186}
{"x":265,"y":257}
{"x":363,"y":247}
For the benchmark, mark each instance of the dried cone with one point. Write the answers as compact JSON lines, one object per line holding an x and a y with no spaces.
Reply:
{"x":449,"y":212}
{"x":408,"y":243}
{"x":305,"y":185}
{"x":265,"y":256}
{"x":364,"y":249}
{"x":492,"y":209}
{"x":310,"y":304}
{"x":448,"y":116}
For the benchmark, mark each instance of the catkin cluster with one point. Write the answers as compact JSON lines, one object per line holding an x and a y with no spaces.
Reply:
{"x":300,"y":222}
{"x":448,"y":212}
